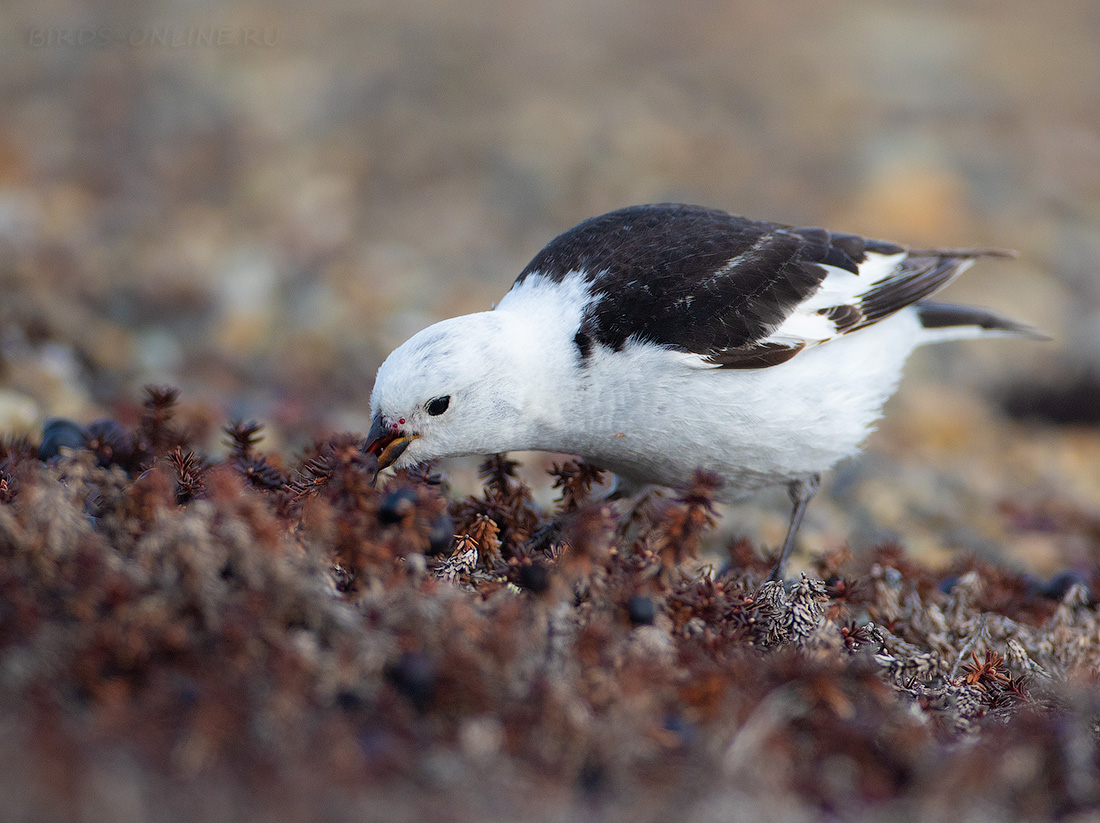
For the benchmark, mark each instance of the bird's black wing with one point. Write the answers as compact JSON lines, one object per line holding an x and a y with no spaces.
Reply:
{"x":703,"y":281}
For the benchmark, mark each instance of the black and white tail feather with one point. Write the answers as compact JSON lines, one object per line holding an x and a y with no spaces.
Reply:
{"x":870,"y":296}
{"x":950,"y":321}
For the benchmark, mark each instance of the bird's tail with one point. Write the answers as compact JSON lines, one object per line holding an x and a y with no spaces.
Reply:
{"x":950,"y":321}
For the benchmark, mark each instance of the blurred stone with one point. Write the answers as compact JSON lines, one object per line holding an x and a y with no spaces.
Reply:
{"x":247,"y":301}
{"x":110,"y":346}
{"x":53,"y":377}
{"x":18,"y":412}
{"x":1073,"y":400}
{"x":1038,"y":551}
{"x":481,"y":737}
{"x":915,"y":204}
{"x":159,"y":353}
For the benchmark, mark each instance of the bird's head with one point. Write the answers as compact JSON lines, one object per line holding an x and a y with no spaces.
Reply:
{"x":455,"y":388}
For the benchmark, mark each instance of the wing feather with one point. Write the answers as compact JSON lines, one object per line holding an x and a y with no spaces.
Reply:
{"x":736,"y":292}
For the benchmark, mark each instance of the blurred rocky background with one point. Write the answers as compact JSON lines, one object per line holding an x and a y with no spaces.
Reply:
{"x":256,"y":201}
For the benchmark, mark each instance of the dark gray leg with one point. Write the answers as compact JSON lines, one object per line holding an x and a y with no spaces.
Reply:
{"x":624,"y":489}
{"x":801,"y":492}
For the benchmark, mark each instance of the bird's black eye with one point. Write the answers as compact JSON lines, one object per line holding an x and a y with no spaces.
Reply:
{"x":438,"y":405}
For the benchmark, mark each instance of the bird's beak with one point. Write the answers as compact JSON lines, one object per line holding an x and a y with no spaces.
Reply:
{"x":386,"y":442}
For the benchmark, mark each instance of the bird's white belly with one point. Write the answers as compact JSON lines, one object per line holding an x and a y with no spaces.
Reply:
{"x":645,"y":414}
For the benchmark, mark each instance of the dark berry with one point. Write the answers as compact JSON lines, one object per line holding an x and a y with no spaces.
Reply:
{"x":534,"y":577}
{"x":413,"y":675}
{"x":948,"y":583}
{"x":1058,"y":586}
{"x":441,"y":537}
{"x":593,"y":778}
{"x":397,"y":505}
{"x":349,"y":701}
{"x":641,"y":610}
{"x":109,"y":441}
{"x":58,"y":433}
{"x":680,"y":726}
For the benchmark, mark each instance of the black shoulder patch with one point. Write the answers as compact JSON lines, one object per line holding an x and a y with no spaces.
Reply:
{"x":641,"y":243}
{"x":714,"y":284}
{"x":691,"y":278}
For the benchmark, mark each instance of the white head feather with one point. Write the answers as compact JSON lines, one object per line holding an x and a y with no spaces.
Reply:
{"x":505,"y":372}
{"x":463,"y":359}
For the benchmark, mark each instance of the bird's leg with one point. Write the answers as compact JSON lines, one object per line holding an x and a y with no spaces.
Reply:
{"x":625,"y":489}
{"x":547,"y":539}
{"x":802,"y":492}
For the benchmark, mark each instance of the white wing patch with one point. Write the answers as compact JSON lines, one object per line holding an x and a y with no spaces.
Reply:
{"x":810,"y":323}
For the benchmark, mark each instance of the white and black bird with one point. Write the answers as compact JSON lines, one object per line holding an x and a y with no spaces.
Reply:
{"x":657,"y":340}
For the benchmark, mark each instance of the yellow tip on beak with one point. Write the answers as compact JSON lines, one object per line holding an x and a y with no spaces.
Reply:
{"x":387,"y":442}
{"x":394,"y":450}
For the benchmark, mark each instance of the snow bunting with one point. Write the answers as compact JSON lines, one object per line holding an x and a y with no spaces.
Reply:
{"x":658,"y":340}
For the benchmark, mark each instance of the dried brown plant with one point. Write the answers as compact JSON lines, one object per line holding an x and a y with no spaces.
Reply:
{"x":297,"y":631}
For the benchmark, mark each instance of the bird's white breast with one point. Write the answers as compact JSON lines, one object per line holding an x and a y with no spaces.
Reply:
{"x":655,"y":415}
